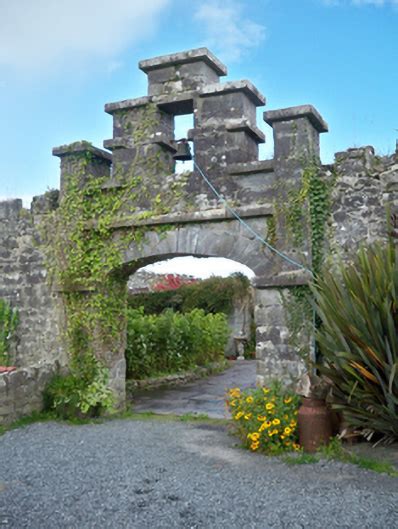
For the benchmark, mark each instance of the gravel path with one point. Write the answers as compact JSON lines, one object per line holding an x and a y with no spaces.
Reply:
{"x":155,"y":474}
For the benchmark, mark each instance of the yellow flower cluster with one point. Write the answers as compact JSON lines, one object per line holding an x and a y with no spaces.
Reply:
{"x":265,"y":418}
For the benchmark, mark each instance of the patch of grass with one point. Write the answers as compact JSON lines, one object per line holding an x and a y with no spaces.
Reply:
{"x":336,"y":451}
{"x":301,"y":459}
{"x":382,"y":467}
{"x":27,"y":420}
{"x":188,"y":417}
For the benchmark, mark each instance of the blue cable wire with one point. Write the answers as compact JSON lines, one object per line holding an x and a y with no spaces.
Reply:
{"x":249,"y":228}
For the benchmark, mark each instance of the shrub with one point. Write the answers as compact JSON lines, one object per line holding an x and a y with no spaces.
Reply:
{"x":265,"y":418}
{"x":8,"y":324}
{"x":171,"y":342}
{"x":82,"y":392}
{"x":358,"y":339}
{"x":213,"y":295}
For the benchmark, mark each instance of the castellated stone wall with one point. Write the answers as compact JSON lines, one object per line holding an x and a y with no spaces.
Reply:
{"x":23,"y":284}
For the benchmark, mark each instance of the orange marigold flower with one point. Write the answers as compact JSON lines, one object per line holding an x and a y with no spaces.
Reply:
{"x":249,"y":399}
{"x":287,"y":400}
{"x":269,"y":406}
{"x":261,"y":418}
{"x":276,"y":421}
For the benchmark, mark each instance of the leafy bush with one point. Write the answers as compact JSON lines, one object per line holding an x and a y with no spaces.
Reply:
{"x":8,"y":323}
{"x":358,"y":339}
{"x":213,"y":295}
{"x":265,"y":418}
{"x":171,"y":341}
{"x":82,"y":392}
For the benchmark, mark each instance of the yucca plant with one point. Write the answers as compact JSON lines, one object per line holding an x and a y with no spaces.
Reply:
{"x":358,"y":339}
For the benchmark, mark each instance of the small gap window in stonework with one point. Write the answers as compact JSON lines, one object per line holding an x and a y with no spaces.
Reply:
{"x":182,"y":124}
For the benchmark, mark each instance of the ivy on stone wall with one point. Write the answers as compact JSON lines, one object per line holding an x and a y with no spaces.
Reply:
{"x":305,"y":210}
{"x":8,"y":324}
{"x":84,"y":253}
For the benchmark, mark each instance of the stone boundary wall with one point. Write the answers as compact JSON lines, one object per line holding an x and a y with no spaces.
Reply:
{"x":21,"y":391}
{"x":366,"y":188}
{"x":24,"y":284}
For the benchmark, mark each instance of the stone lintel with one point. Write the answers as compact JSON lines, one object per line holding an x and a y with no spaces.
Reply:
{"x":126,"y":104}
{"x":128,"y":143}
{"x":284,"y":279}
{"x":79,"y":147}
{"x":177,"y":104}
{"x":211,"y":215}
{"x":263,"y":166}
{"x":291,"y":113}
{"x":184,"y":57}
{"x":244,"y":86}
{"x":244,"y":125}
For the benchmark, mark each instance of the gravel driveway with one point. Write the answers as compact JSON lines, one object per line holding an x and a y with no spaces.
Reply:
{"x":155,"y":474}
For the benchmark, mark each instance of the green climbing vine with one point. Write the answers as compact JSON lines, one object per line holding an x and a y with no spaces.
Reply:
{"x":8,"y":323}
{"x":85,"y":254}
{"x":305,"y":210}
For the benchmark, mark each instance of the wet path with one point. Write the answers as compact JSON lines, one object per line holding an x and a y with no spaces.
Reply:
{"x":204,"y":396}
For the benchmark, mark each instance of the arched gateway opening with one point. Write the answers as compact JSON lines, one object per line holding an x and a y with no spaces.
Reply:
{"x":188,"y":317}
{"x":139,"y":210}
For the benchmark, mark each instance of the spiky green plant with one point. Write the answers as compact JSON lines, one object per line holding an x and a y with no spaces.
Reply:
{"x":358,"y":339}
{"x":8,"y":323}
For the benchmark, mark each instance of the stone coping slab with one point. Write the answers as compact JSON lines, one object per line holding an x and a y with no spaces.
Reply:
{"x":290,"y":278}
{"x":177,"y":104}
{"x":81,"y":146}
{"x":211,"y":215}
{"x":126,"y":104}
{"x":184,"y":57}
{"x":245,"y":86}
{"x":128,"y":143}
{"x":244,"y":125}
{"x":291,"y":113}
{"x":263,"y":166}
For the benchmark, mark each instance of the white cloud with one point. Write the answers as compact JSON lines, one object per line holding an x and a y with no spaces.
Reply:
{"x":227,"y":29}
{"x":376,"y":3}
{"x":199,"y":267}
{"x":37,"y":34}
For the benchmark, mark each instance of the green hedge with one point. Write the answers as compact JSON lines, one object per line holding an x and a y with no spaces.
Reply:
{"x":213,"y":295}
{"x":171,"y":342}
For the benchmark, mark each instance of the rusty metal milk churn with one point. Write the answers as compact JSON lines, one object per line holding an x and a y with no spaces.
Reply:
{"x":314,"y":424}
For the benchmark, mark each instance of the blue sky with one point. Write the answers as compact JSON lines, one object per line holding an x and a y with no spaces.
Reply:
{"x":60,"y":61}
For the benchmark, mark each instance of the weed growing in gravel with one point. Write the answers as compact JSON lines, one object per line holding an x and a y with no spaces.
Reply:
{"x":265,"y":419}
{"x":335,"y":451}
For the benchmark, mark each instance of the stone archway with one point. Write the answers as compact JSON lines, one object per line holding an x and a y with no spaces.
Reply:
{"x":179,"y":214}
